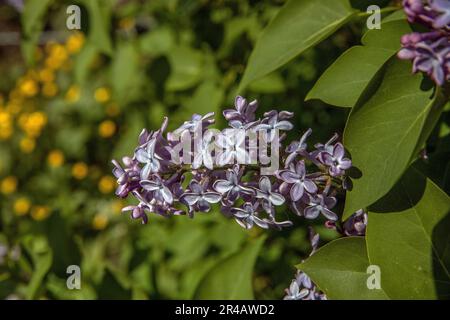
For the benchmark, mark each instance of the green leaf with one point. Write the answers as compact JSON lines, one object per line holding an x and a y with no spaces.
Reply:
{"x":99,"y":24}
{"x":186,"y":68}
{"x":408,"y":239}
{"x":383,"y":130}
{"x":340,"y":270}
{"x":270,"y":84}
{"x":340,"y":87}
{"x":32,"y":24}
{"x":231,"y":278}
{"x":42,"y":257}
{"x":83,"y":62}
{"x":299,"y":25}
{"x":124,"y":72}
{"x":158,"y":41}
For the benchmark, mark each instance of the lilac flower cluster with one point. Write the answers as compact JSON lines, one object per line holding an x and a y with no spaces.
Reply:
{"x":155,"y":176}
{"x":430,"y":51}
{"x":302,"y":288}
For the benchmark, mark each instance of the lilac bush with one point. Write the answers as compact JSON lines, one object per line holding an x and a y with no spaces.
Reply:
{"x":307,"y":181}
{"x":430,"y":51}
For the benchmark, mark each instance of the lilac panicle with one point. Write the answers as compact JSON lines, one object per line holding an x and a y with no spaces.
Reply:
{"x":154,"y":174}
{"x":429,"y":51}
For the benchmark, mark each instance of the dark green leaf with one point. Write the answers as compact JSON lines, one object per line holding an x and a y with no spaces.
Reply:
{"x":383,"y":130}
{"x":299,"y":25}
{"x":344,"y":81}
{"x":231,"y":278}
{"x":340,"y":270}
{"x":408,"y":238}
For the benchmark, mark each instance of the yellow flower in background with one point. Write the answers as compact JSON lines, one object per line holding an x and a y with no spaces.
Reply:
{"x":6,"y":128}
{"x":22,"y":206}
{"x":73,"y":94}
{"x":57,"y":56}
{"x":75,"y":42}
{"x":27,"y":145}
{"x":8,"y":185}
{"x":55,"y":158}
{"x":106,"y":129}
{"x":102,"y":94}
{"x":40,"y":213}
{"x":46,"y":75}
{"x":50,"y":89}
{"x":80,"y":170}
{"x":29,"y":87}
{"x":32,"y":123}
{"x":100,"y":221}
{"x":106,"y":184}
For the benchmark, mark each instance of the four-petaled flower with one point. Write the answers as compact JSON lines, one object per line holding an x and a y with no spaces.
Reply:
{"x":297,"y":148}
{"x":243,"y":113}
{"x":335,"y":161}
{"x":160,"y":191}
{"x":196,"y":124}
{"x":274,"y":122}
{"x":232,"y":187}
{"x":268,"y":196}
{"x":148,"y":156}
{"x":296,"y":178}
{"x":321,"y":203}
{"x":294,"y":292}
{"x":200,"y":197}
{"x":247,"y":216}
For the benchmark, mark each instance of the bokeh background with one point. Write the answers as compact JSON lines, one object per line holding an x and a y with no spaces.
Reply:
{"x":70,"y":101}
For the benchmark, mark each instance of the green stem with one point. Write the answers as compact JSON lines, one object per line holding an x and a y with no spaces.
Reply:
{"x":384,"y":10}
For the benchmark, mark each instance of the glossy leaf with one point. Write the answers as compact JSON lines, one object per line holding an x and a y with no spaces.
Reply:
{"x":344,"y":81}
{"x":340,"y":270}
{"x":383,"y":130}
{"x":231,"y":278}
{"x":408,"y":239}
{"x":299,"y":25}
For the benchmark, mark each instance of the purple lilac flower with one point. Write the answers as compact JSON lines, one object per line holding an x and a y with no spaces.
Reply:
{"x":127,"y":178}
{"x":429,"y":51}
{"x":154,"y":174}
{"x":232,"y":188}
{"x":321,"y":204}
{"x":244,"y":112}
{"x":148,"y":157}
{"x":247,"y":215}
{"x":432,"y":13}
{"x":297,"y":182}
{"x":273,"y":121}
{"x":200,"y":197}
{"x":160,"y":191}
{"x":356,"y":224}
{"x":336,"y":160}
{"x":137,"y":212}
{"x":268,"y":196}
{"x":197,"y":121}
{"x":297,"y":148}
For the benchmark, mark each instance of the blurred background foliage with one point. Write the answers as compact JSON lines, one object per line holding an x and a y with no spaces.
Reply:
{"x":70,"y":101}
